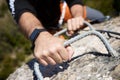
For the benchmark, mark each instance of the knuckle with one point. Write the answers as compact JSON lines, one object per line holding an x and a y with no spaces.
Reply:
{"x":53,"y":51}
{"x":37,"y":55}
{"x":43,"y":62}
{"x":45,"y":53}
{"x":53,"y":63}
{"x":56,"y":47}
{"x":59,"y":47}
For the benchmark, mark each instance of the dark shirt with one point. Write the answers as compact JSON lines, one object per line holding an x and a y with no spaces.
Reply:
{"x":47,"y":11}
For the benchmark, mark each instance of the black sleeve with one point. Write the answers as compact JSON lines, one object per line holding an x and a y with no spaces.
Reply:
{"x":18,"y":7}
{"x":73,"y":2}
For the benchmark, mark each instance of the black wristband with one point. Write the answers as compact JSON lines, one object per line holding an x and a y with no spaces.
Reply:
{"x":35,"y":34}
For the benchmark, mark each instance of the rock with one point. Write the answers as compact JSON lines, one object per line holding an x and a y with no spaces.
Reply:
{"x":116,"y":72}
{"x":90,"y":61}
{"x":22,"y":73}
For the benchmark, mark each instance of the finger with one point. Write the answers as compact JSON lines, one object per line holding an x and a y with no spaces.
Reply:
{"x":39,"y":59}
{"x":73,"y":24}
{"x":43,"y":62}
{"x":50,"y":61}
{"x":69,"y":25}
{"x":81,"y":20}
{"x":47,"y":57}
{"x":78,"y":23}
{"x":63,"y":53}
{"x":56,"y":57}
{"x":70,"y":51}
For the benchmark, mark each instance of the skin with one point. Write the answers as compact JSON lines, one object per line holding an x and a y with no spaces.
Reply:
{"x":49,"y":49}
{"x":77,"y":21}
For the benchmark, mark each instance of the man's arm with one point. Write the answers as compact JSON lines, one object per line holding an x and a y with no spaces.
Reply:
{"x":77,"y":21}
{"x":22,"y":12}
{"x":77,"y":10}
{"x":28,"y":22}
{"x":48,"y":49}
{"x":76,"y":7}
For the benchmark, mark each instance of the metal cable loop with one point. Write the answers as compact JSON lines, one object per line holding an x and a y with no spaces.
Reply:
{"x":65,"y":30}
{"x":99,"y":35}
{"x":70,"y":41}
{"x":37,"y":71}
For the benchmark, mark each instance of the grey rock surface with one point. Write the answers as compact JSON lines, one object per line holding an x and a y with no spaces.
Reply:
{"x":90,"y":61}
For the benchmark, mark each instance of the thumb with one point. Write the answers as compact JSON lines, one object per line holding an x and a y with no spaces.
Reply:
{"x":70,"y":51}
{"x":70,"y":33}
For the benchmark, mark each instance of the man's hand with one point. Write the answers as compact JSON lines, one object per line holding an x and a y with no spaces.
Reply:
{"x":74,"y":24}
{"x":50,"y":49}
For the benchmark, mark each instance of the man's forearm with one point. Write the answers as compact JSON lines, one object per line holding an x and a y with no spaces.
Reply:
{"x":77,"y":10}
{"x":28,"y":22}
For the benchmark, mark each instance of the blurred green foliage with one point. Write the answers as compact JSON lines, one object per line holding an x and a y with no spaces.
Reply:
{"x":108,"y":7}
{"x":3,"y":9}
{"x":15,"y":48}
{"x":116,"y":6}
{"x":102,"y":5}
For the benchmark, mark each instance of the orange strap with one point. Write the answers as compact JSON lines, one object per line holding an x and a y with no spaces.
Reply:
{"x":67,"y":12}
{"x":84,"y":12}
